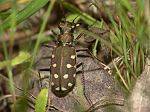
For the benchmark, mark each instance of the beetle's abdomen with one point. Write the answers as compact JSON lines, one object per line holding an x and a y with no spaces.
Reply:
{"x":63,"y":70}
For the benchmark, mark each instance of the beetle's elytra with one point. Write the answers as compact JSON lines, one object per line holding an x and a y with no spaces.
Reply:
{"x":63,"y":64}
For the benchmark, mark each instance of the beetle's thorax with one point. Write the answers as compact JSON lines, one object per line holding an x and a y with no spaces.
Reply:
{"x":65,"y":39}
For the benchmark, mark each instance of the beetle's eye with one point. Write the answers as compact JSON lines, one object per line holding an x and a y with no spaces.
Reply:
{"x":60,"y":42}
{"x":72,"y":29}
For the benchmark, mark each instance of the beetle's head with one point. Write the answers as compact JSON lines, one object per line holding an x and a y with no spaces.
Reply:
{"x":66,"y":33}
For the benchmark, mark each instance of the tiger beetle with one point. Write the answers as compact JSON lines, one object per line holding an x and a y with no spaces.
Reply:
{"x":63,"y":61}
{"x":63,"y":67}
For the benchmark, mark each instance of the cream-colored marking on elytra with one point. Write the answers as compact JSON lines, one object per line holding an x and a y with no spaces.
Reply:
{"x":58,"y":88}
{"x":56,"y":76}
{"x":77,"y":24}
{"x":65,"y":76}
{"x":54,"y":65}
{"x":69,"y":65}
{"x":53,"y":55}
{"x":74,"y":75}
{"x":63,"y":89}
{"x":72,"y":26}
{"x":70,"y":84}
{"x":109,"y":72}
{"x":52,"y":83}
{"x":72,"y":56}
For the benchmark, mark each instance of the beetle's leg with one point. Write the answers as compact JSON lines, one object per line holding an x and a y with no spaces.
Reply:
{"x":102,"y":65}
{"x":54,"y":33}
{"x":87,"y":98}
{"x":91,"y":55}
{"x":83,"y":81}
{"x":79,"y":36}
{"x":40,"y":79}
{"x":87,"y":50}
{"x":48,"y":46}
{"x":44,"y":69}
{"x":39,"y":70}
{"x":80,"y":64}
{"x":82,"y":49}
{"x":83,"y":55}
{"x":83,"y":71}
{"x":51,"y":46}
{"x":46,"y":57}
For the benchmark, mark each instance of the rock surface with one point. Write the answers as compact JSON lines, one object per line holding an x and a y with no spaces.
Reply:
{"x":95,"y":90}
{"x":140,"y":98}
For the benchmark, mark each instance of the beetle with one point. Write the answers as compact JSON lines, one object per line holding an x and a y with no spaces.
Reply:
{"x":63,"y":65}
{"x":63,"y":61}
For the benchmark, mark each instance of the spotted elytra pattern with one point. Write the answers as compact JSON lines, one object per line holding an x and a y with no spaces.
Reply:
{"x":63,"y":73}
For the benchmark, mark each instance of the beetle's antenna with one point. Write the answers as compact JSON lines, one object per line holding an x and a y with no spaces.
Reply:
{"x":62,"y":20}
{"x":75,"y":18}
{"x":61,"y":30}
{"x":75,"y":24}
{"x":61,"y":7}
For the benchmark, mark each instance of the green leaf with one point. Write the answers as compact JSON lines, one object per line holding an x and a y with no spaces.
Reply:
{"x":40,"y":104}
{"x":84,"y":16}
{"x":21,"y":58}
{"x":2,"y":1}
{"x":29,"y":10}
{"x":73,"y":17}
